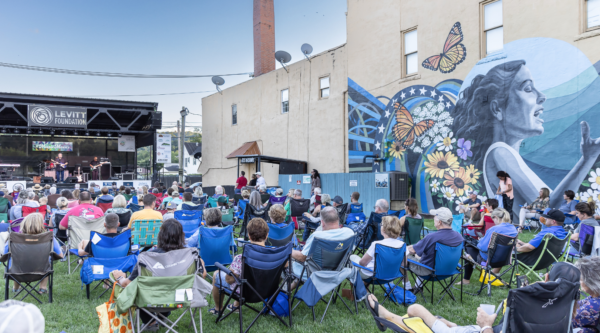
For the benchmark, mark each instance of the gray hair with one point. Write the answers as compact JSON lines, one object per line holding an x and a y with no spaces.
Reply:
{"x":219,"y":189}
{"x":317,"y":190}
{"x":212,"y":216}
{"x":325,"y":199}
{"x":298,"y":192}
{"x":92,"y":185}
{"x":590,"y":273}
{"x":255,"y":199}
{"x":53,"y":190}
{"x":329,"y":215}
{"x":279,"y":191}
{"x":31,"y":195}
{"x":382,"y":204}
{"x":22,"y":199}
{"x":18,"y":187}
{"x":198,"y":191}
{"x":119,"y":201}
{"x":62,"y":202}
{"x":111,"y":220}
{"x":154,"y":190}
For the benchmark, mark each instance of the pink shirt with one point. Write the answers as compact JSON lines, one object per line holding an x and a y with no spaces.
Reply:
{"x":73,"y":203}
{"x":87,"y":211}
{"x":504,"y":186}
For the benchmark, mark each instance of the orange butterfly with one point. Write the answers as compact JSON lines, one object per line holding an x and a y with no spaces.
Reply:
{"x":405,"y":129}
{"x":454,"y":53}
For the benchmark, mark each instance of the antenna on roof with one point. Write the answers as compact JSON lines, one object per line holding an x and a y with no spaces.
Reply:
{"x":307,"y":50}
{"x":218,"y":81}
{"x":283,"y":58}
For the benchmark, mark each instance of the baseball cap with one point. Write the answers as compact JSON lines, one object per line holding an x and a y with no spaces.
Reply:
{"x":555,"y":214}
{"x":258,"y":173}
{"x":171,"y":205}
{"x":17,"y":316}
{"x":222,"y":199}
{"x":338,"y":200}
{"x":474,"y":192}
{"x":443,"y":213}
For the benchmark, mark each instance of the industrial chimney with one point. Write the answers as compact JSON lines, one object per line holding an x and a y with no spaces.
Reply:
{"x":264,"y":37}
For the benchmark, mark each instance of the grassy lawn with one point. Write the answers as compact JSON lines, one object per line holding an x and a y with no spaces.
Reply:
{"x":72,"y":312}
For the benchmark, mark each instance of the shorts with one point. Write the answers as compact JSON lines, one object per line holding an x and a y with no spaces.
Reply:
{"x":220,"y":282}
{"x":440,"y":327}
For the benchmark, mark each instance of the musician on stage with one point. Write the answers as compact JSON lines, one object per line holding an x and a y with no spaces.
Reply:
{"x":60,"y":176}
{"x":96,"y":170}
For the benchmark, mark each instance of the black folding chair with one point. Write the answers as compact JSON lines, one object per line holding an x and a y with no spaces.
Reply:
{"x":250,"y":213}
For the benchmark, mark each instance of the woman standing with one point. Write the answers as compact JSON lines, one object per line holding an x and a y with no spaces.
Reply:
{"x":506,"y":190}
{"x":315,"y":181}
{"x":530,"y":211}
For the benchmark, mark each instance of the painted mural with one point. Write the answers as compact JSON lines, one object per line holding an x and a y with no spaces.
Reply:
{"x":453,"y":54}
{"x":532,"y":110}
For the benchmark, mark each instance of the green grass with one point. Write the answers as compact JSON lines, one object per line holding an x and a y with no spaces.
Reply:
{"x":72,"y":312}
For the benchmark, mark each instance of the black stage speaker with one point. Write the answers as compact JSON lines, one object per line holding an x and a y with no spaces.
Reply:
{"x":127,"y":176}
{"x":156,"y":120}
{"x":47,"y":180}
{"x":71,"y":180}
{"x":292,"y":168}
{"x":399,"y":185}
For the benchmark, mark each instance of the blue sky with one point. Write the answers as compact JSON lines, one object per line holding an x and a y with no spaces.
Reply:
{"x":151,"y":37}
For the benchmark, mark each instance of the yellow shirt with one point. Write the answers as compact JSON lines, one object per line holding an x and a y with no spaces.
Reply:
{"x":145,"y":214}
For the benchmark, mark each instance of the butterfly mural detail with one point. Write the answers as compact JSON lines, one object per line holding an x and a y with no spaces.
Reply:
{"x":405,"y":130}
{"x":453,"y":54}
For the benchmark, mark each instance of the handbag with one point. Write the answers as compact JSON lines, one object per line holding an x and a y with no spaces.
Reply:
{"x":110,"y":320}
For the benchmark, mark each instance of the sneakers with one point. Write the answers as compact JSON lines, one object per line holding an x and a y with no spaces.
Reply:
{"x":407,"y":285}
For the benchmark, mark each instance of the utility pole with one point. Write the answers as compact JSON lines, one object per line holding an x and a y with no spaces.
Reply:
{"x":184,"y":112}
{"x":179,"y":149}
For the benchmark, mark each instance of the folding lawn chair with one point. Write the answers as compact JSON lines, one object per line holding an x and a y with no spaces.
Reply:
{"x":388,"y":262}
{"x":4,"y":210}
{"x":499,"y":254}
{"x":445,"y":266}
{"x":297,"y":208}
{"x":27,"y":262}
{"x":228,"y":217}
{"x":190,"y":220}
{"x":265,"y":197}
{"x":281,"y":236}
{"x":185,"y":206}
{"x":108,"y":254}
{"x":144,"y":233}
{"x":532,"y":223}
{"x":277,"y":200}
{"x":104,"y":204}
{"x":342,"y":211}
{"x":80,"y":229}
{"x":253,"y":212}
{"x":216,"y":245}
{"x":541,"y":307}
{"x":397,"y":213}
{"x":124,"y":219}
{"x":551,"y":250}
{"x":135,"y":208}
{"x":241,"y":209}
{"x":15,"y":225}
{"x":576,"y":250}
{"x":154,"y":292}
{"x":260,"y":281}
{"x":457,"y":222}
{"x":325,"y":255}
{"x":413,"y":229}
{"x":372,"y":231}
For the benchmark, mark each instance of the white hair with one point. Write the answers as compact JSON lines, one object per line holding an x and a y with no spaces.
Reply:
{"x":383,"y":205}
{"x":30,"y":195}
{"x":53,"y":190}
{"x":198,"y":191}
{"x":62,"y":202}
{"x":317,"y":190}
{"x":325,"y":199}
{"x":219,"y":189}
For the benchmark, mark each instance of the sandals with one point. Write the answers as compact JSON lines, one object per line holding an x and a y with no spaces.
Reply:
{"x":214,"y":311}
{"x":232,"y":308}
{"x":43,"y":291}
{"x":375,"y":313}
{"x":17,"y":290}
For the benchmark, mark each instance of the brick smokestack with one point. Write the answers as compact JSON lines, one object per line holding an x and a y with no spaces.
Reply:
{"x":264,"y":37}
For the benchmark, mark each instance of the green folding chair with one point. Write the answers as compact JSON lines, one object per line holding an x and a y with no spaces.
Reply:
{"x":551,"y":250}
{"x":413,"y":228}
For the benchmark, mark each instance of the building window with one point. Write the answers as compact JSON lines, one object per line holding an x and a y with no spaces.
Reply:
{"x":324,"y":85}
{"x":234,"y":114}
{"x":493,"y":29}
{"x":593,"y":13}
{"x":411,"y":56}
{"x":285,"y":101}
{"x":194,"y":161}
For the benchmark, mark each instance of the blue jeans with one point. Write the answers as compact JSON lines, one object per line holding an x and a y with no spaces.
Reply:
{"x":60,"y":176}
{"x":238,"y":191}
{"x":309,"y":227}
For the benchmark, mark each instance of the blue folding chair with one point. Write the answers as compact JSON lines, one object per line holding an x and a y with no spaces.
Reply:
{"x":216,"y":245}
{"x":356,"y":208}
{"x":135,"y":208}
{"x":277,"y":200}
{"x":397,"y":213}
{"x":241,"y":208}
{"x":388,"y":262}
{"x":190,"y":220}
{"x":446,"y":265}
{"x":185,"y":206}
{"x":457,"y":222}
{"x":281,"y":236}
{"x":575,"y":250}
{"x":108,"y":254}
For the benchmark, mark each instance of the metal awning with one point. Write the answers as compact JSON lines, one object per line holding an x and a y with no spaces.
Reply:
{"x":257,"y":159}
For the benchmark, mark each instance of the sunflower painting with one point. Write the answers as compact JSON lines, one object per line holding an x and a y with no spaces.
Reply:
{"x":438,"y":164}
{"x":395,"y":150}
{"x":473,"y":174}
{"x":459,"y":183}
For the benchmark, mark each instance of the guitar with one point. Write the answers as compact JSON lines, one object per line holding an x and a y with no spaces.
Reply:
{"x":97,"y":166}
{"x":79,"y":177}
{"x":61,"y":164}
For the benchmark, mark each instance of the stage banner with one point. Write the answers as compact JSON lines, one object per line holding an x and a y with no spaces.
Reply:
{"x":163,"y":148}
{"x":127,"y":143}
{"x":56,"y":116}
{"x":52,"y":146}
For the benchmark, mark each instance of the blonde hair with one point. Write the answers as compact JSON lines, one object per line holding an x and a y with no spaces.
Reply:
{"x":245,"y":194}
{"x":76,"y":194}
{"x":502,"y":214}
{"x":62,"y":202}
{"x":43,"y":201}
{"x":391,"y":226}
{"x":119,"y":201}
{"x":33,"y":224}
{"x":277,"y":213}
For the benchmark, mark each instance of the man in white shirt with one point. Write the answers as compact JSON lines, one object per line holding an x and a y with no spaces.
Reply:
{"x":260,"y":180}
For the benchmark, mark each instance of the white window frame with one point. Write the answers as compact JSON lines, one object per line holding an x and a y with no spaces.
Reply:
{"x":285,"y":105}
{"x":234,"y":116}
{"x":323,"y":89}
{"x":484,"y":31}
{"x":406,"y":53}
{"x":584,"y":20}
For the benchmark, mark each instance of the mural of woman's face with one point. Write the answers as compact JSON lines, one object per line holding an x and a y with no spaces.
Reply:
{"x":524,"y":107}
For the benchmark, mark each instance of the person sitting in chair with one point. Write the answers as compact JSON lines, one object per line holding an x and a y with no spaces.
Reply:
{"x":554,"y":222}
{"x":412,"y":211}
{"x":188,"y":200}
{"x":85,"y":209}
{"x":470,"y":204}
{"x":119,"y":206}
{"x":111,"y":223}
{"x":587,"y":310}
{"x":213,"y":219}
{"x":148,"y":213}
{"x":105,"y":196}
{"x":277,"y":215}
{"x":171,"y":208}
{"x":585,"y":213}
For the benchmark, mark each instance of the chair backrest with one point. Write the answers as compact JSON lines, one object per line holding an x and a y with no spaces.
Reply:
{"x":299,"y":206}
{"x":135,"y":208}
{"x":264,"y":197}
{"x":29,"y":253}
{"x":412,"y":230}
{"x":30,"y":210}
{"x":584,"y":231}
{"x":262,"y":268}
{"x":388,"y":262}
{"x":110,"y":247}
{"x":212,"y":202}
{"x":15,"y":225}
{"x":500,"y":250}
{"x":215,"y":246}
{"x":124,"y":219}
{"x":4,"y":218}
{"x":80,"y":228}
{"x":356,"y":208}
{"x":227,"y":215}
{"x":190,"y":220}
{"x":145,"y":232}
{"x":342,"y":211}
{"x":185,"y":206}
{"x":355,"y":217}
{"x":397,"y":213}
{"x":446,"y":259}
{"x":547,"y":253}
{"x":241,"y":208}
{"x":104,"y":206}
{"x":280,"y":236}
{"x":173,"y":263}
{"x":329,"y":255}
{"x":457,"y":222}
{"x":3,"y":205}
{"x":277,"y":200}
{"x":253,"y":212}
{"x":541,"y":305}
{"x":105,"y":201}
{"x":374,"y":228}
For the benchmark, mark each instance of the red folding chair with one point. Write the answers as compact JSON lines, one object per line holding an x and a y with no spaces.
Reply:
{"x":104,"y":206}
{"x":30,"y":210}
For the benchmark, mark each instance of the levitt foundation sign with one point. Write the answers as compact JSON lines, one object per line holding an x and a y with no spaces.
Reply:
{"x":56,"y":116}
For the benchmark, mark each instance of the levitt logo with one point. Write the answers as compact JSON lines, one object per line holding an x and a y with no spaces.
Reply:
{"x":41,"y":115}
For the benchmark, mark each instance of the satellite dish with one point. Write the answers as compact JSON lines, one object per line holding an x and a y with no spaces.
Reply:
{"x":218,"y":81}
{"x":283,"y":58}
{"x":307,"y":49}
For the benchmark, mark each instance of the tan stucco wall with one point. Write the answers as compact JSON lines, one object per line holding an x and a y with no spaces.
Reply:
{"x":314,"y":129}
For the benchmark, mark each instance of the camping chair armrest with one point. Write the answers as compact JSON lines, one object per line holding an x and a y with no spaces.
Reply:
{"x":55,"y":256}
{"x":419,"y":264}
{"x":224,"y":269}
{"x":5,"y":257}
{"x":473,"y":226}
{"x":363,"y":267}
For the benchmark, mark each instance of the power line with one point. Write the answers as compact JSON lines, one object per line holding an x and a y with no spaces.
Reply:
{"x":182,"y":93}
{"x":107,"y":74}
